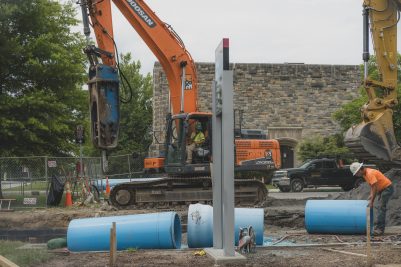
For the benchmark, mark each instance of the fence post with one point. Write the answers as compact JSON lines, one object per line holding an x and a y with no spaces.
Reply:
{"x":47,"y":180}
{"x":129,"y":166}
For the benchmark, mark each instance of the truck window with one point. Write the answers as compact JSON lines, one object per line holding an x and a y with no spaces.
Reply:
{"x":330,"y":165}
{"x":318,"y":164}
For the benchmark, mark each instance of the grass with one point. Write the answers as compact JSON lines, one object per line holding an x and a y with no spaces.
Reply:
{"x":269,"y":186}
{"x":23,"y":257}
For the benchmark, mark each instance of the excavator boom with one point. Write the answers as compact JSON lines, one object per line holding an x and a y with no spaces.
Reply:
{"x":374,"y":139}
{"x":184,"y":177}
{"x":103,"y":77}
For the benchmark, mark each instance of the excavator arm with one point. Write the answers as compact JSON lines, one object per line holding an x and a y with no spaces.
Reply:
{"x":374,"y":139}
{"x":165,"y":44}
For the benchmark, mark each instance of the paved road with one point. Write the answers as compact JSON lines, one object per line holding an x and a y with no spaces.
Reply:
{"x":322,"y":193}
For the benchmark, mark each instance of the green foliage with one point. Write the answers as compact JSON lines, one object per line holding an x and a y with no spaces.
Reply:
{"x":132,"y":250}
{"x":349,"y":114}
{"x":41,"y":77}
{"x":314,"y":147}
{"x":136,"y":115}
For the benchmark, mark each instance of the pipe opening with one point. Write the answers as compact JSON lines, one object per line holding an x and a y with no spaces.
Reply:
{"x":176,"y":235}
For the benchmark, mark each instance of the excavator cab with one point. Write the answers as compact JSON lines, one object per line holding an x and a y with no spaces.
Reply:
{"x":181,"y":130}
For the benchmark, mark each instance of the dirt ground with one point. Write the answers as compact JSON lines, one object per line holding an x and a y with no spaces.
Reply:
{"x":263,"y":257}
{"x":283,"y":221}
{"x":285,"y":212}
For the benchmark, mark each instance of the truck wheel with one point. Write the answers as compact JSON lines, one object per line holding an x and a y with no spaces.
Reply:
{"x":347,"y":187}
{"x":297,"y":185}
{"x":358,"y":182}
{"x":284,"y":189}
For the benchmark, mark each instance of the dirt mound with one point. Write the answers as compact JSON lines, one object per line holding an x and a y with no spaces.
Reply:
{"x":393,"y":216}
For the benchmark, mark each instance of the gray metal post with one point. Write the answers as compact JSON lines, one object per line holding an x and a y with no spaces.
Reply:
{"x":47,"y":179}
{"x":228,"y":163}
{"x":216,"y":176}
{"x":223,"y":160}
{"x":223,"y":153}
{"x":81,"y":169}
{"x":129,"y":166}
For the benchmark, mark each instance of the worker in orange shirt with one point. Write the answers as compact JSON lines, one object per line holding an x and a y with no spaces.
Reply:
{"x":379,"y":184}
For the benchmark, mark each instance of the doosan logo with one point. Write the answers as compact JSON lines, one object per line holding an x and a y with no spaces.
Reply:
{"x":141,"y":13}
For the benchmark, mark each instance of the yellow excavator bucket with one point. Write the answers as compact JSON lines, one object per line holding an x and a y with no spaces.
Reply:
{"x":374,"y":140}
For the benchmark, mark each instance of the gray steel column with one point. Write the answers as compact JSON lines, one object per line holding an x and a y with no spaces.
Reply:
{"x":47,"y":179}
{"x":216,"y":176}
{"x":228,"y":163}
{"x":81,"y":169}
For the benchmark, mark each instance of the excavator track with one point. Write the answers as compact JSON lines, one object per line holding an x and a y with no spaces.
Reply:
{"x":164,"y":193}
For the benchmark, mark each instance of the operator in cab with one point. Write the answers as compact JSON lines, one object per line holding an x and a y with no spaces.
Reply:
{"x":197,"y":139}
{"x":379,"y":185}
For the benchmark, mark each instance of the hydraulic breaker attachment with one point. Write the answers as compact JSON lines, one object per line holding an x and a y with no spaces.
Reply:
{"x":104,"y":105}
{"x":375,"y":139}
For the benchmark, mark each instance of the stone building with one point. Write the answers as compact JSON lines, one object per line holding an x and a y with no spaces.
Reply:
{"x":289,"y":101}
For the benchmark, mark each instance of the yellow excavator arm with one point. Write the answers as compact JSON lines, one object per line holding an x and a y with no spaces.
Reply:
{"x":374,"y":139}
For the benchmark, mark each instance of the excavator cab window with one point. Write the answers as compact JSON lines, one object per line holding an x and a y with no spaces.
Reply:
{"x":202,"y":151}
{"x":176,"y":141}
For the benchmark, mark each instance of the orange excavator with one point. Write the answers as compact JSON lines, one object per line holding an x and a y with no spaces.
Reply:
{"x":183,"y":180}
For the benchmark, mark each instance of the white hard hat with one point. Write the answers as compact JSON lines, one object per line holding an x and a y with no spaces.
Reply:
{"x":355,"y":167}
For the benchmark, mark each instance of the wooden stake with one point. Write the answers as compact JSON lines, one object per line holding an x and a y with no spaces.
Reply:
{"x":368,"y":245}
{"x":113,"y":245}
{"x":6,"y":262}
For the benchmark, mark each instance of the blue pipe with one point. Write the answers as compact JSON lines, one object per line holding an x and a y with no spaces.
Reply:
{"x":200,"y":224}
{"x":145,"y":231}
{"x":337,"y":216}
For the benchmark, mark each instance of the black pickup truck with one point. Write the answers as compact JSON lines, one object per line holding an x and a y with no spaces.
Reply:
{"x":315,"y":173}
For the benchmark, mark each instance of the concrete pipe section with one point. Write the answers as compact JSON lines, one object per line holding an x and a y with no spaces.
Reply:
{"x":337,"y":216}
{"x":200,"y":224}
{"x":144,"y":231}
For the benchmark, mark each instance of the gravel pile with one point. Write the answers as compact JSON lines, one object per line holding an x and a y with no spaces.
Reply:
{"x":393,"y":216}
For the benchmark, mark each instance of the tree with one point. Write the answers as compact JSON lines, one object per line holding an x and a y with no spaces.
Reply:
{"x":314,"y":147}
{"x":349,"y":114}
{"x":136,"y":113}
{"x":135,"y":116}
{"x":41,"y":75}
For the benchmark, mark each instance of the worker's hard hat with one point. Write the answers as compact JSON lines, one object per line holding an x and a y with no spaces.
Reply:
{"x":355,"y":167}
{"x":198,"y":126}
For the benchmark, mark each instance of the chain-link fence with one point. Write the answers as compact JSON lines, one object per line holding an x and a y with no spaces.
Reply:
{"x":27,"y":180}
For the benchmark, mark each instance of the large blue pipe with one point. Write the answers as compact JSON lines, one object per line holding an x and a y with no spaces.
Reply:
{"x":337,"y":216}
{"x":145,"y":231}
{"x":200,"y":224}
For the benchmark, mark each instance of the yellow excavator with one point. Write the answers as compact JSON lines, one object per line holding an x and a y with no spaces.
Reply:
{"x":373,"y":139}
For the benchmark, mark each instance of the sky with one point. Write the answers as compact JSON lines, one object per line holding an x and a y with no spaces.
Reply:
{"x":260,"y":31}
